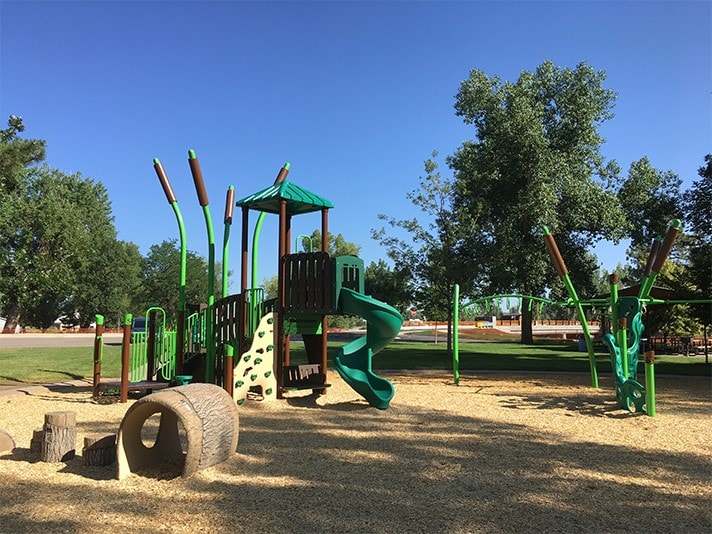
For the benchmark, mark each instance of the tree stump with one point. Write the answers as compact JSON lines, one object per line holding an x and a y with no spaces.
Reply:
{"x":36,"y":441}
{"x":99,"y":449}
{"x":6,"y":441}
{"x":59,"y":436}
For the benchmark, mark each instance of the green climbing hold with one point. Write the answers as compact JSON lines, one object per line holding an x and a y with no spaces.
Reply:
{"x":240,"y":402}
{"x":239,"y":383}
{"x":258,"y":361}
{"x":270,"y":320}
{"x":261,"y":334}
{"x":268,"y":391}
{"x":268,"y":374}
{"x":246,"y":358}
{"x":253,"y":377}
{"x":270,"y":347}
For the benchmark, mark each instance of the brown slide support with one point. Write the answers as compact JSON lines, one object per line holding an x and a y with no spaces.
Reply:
{"x":208,"y":416}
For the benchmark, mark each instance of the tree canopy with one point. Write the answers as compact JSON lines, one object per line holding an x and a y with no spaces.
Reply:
{"x":536,"y":161}
{"x":55,"y":232}
{"x":161,"y":277}
{"x":338,"y":246}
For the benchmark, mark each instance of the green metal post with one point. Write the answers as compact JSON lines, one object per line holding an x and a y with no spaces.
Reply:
{"x":173,"y":201}
{"x":98,"y":353}
{"x":281,"y":176}
{"x":229,"y":207}
{"x":650,"y":382}
{"x":209,"y":327}
{"x":456,"y":335}
{"x":613,"y":285}
{"x":563,"y":273}
{"x":622,"y":338}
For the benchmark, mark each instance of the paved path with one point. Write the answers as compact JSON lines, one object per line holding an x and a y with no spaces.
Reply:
{"x":17,"y":388}
{"x":32,"y":341}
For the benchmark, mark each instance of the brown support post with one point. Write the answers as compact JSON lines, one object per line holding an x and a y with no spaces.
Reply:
{"x":125,"y":357}
{"x":245,"y":256}
{"x":244,"y":250}
{"x":98,"y":350}
{"x":325,"y":318}
{"x":279,"y":364}
{"x":287,"y":251}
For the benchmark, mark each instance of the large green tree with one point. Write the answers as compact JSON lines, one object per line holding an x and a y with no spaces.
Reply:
{"x":535,"y":160}
{"x":389,"y":284}
{"x":54,"y":230}
{"x":161,"y":278}
{"x":111,"y":286}
{"x":59,"y":256}
{"x":650,"y":198}
{"x":17,"y":154}
{"x":698,"y":215}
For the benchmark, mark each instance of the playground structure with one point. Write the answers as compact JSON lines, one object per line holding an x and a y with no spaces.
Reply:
{"x":241,"y":342}
{"x":625,"y":343}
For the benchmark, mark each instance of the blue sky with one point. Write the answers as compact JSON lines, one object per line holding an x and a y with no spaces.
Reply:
{"x":355,"y":95}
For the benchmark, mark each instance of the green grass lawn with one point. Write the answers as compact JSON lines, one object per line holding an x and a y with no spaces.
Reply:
{"x":61,"y":364}
{"x":506,"y":356}
{"x":56,"y":364}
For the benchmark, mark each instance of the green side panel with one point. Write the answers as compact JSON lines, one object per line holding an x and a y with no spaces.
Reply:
{"x":138,"y":360}
{"x":347,"y":273}
{"x":630,"y":308}
{"x":302,"y":324}
{"x":165,"y":355}
{"x":354,"y":360}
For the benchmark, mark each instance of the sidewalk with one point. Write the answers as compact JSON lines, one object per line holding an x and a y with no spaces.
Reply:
{"x":71,"y":386}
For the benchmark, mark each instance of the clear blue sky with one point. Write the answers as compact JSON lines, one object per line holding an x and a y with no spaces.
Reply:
{"x":355,"y":95}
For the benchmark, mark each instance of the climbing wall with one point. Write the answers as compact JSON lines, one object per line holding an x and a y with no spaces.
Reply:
{"x":255,"y":367}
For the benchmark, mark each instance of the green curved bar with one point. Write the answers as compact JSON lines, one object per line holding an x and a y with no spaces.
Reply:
{"x":209,"y":333}
{"x":255,"y":248}
{"x":183,"y":256}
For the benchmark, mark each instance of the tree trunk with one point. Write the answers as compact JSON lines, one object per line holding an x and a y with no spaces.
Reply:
{"x":13,"y":317}
{"x":526,"y":323}
{"x":59,"y":436}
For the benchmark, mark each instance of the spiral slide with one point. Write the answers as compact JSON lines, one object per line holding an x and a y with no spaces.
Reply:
{"x":353,"y":361}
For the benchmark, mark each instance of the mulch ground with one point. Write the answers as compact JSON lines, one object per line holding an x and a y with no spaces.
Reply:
{"x":498,"y":453}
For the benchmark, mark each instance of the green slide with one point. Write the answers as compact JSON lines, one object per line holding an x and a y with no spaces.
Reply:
{"x":353,"y":361}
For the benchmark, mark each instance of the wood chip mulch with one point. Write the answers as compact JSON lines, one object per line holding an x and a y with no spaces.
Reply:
{"x":498,"y":453}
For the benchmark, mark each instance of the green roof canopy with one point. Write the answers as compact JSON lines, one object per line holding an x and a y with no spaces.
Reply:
{"x":299,"y":200}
